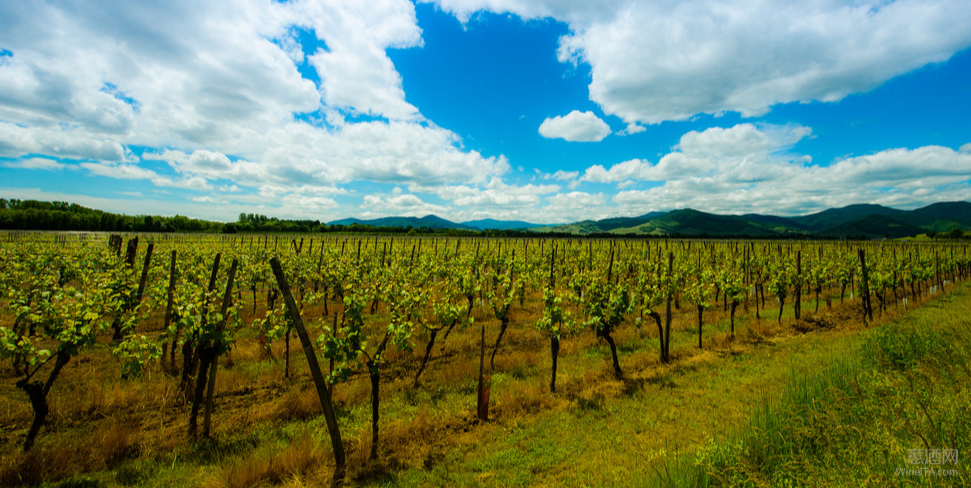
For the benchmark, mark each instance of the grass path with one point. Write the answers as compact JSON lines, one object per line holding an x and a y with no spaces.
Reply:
{"x":627,"y":433}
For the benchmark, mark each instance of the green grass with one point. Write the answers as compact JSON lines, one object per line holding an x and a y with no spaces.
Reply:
{"x":905,"y":387}
{"x":832,"y":409}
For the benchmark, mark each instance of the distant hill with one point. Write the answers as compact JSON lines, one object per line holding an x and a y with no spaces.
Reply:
{"x":838,"y":216}
{"x":779,"y":225}
{"x":493,"y":224}
{"x":942,"y":217}
{"x":600,"y":226}
{"x":853,"y":221}
{"x":872,"y":226}
{"x":428,"y":221}
{"x":693,"y":222}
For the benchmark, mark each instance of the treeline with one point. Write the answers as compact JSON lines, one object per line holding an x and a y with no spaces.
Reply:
{"x":249,"y":222}
{"x":36,"y":215}
{"x":955,"y":233}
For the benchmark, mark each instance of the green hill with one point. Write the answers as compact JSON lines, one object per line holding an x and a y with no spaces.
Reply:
{"x":872,"y":227}
{"x":428,"y":221}
{"x":690,"y":222}
{"x":870,"y":221}
{"x":828,"y":219}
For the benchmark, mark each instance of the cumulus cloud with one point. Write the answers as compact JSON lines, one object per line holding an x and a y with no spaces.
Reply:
{"x":748,"y":169}
{"x":34,"y":163}
{"x":575,"y":126}
{"x":562,"y":175}
{"x":215,"y":87}
{"x":741,"y":139}
{"x":135,"y":172}
{"x":354,"y":70}
{"x":406,"y":205}
{"x":496,"y":194}
{"x":16,"y":141}
{"x":658,"y":61}
{"x":632,"y":169}
{"x":742,"y":153}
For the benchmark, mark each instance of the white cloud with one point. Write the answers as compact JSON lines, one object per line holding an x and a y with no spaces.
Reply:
{"x":215,"y":88}
{"x":577,"y":205}
{"x":575,"y":126}
{"x":355,"y":71}
{"x":34,"y":163}
{"x":747,"y":169}
{"x":405,"y":205}
{"x":632,"y":169}
{"x":632,"y":128}
{"x":742,"y":151}
{"x":658,"y":61}
{"x":128,"y":171}
{"x":17,"y":141}
{"x":740,"y":140}
{"x":561,"y":175}
{"x":496,"y":194}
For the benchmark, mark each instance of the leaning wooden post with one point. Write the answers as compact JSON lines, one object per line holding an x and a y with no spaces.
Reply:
{"x":666,"y":340}
{"x":482,"y":406}
{"x":217,"y":345}
{"x":865,"y":287}
{"x":144,"y":278}
{"x":170,"y":295}
{"x":318,"y":377}
{"x":798,"y":299}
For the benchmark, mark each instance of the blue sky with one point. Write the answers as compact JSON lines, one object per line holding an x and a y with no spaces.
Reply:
{"x":542,"y":110}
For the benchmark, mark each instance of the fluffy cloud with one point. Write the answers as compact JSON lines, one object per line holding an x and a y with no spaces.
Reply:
{"x":561,"y":175}
{"x":218,"y":85}
{"x":658,"y":61}
{"x":355,"y":72}
{"x":16,"y":141}
{"x":747,"y":169}
{"x":742,"y":153}
{"x":34,"y":163}
{"x":633,"y":169}
{"x":496,"y":194}
{"x":741,"y":139}
{"x":575,"y":126}
{"x":126,"y":171}
{"x":406,"y":205}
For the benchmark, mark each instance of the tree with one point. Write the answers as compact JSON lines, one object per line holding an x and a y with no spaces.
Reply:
{"x":502,"y":291}
{"x":556,"y":323}
{"x":730,"y":280}
{"x":604,"y":305}
{"x":52,"y":323}
{"x":348,"y":346}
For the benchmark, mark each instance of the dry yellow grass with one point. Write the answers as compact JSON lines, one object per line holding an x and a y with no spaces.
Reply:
{"x":270,"y":466}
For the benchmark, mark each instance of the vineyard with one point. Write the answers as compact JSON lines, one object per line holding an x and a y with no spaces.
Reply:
{"x":155,"y":360}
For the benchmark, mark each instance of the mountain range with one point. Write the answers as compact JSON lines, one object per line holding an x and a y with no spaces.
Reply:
{"x":853,"y":221}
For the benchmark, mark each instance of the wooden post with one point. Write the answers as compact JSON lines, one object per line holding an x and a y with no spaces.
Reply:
{"x":170,"y":295}
{"x":798,"y":298}
{"x":483,"y":400}
{"x":322,"y":392}
{"x":227,"y":299}
{"x":865,"y":287}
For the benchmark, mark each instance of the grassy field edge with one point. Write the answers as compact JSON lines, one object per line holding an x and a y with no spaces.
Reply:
{"x":892,"y":413}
